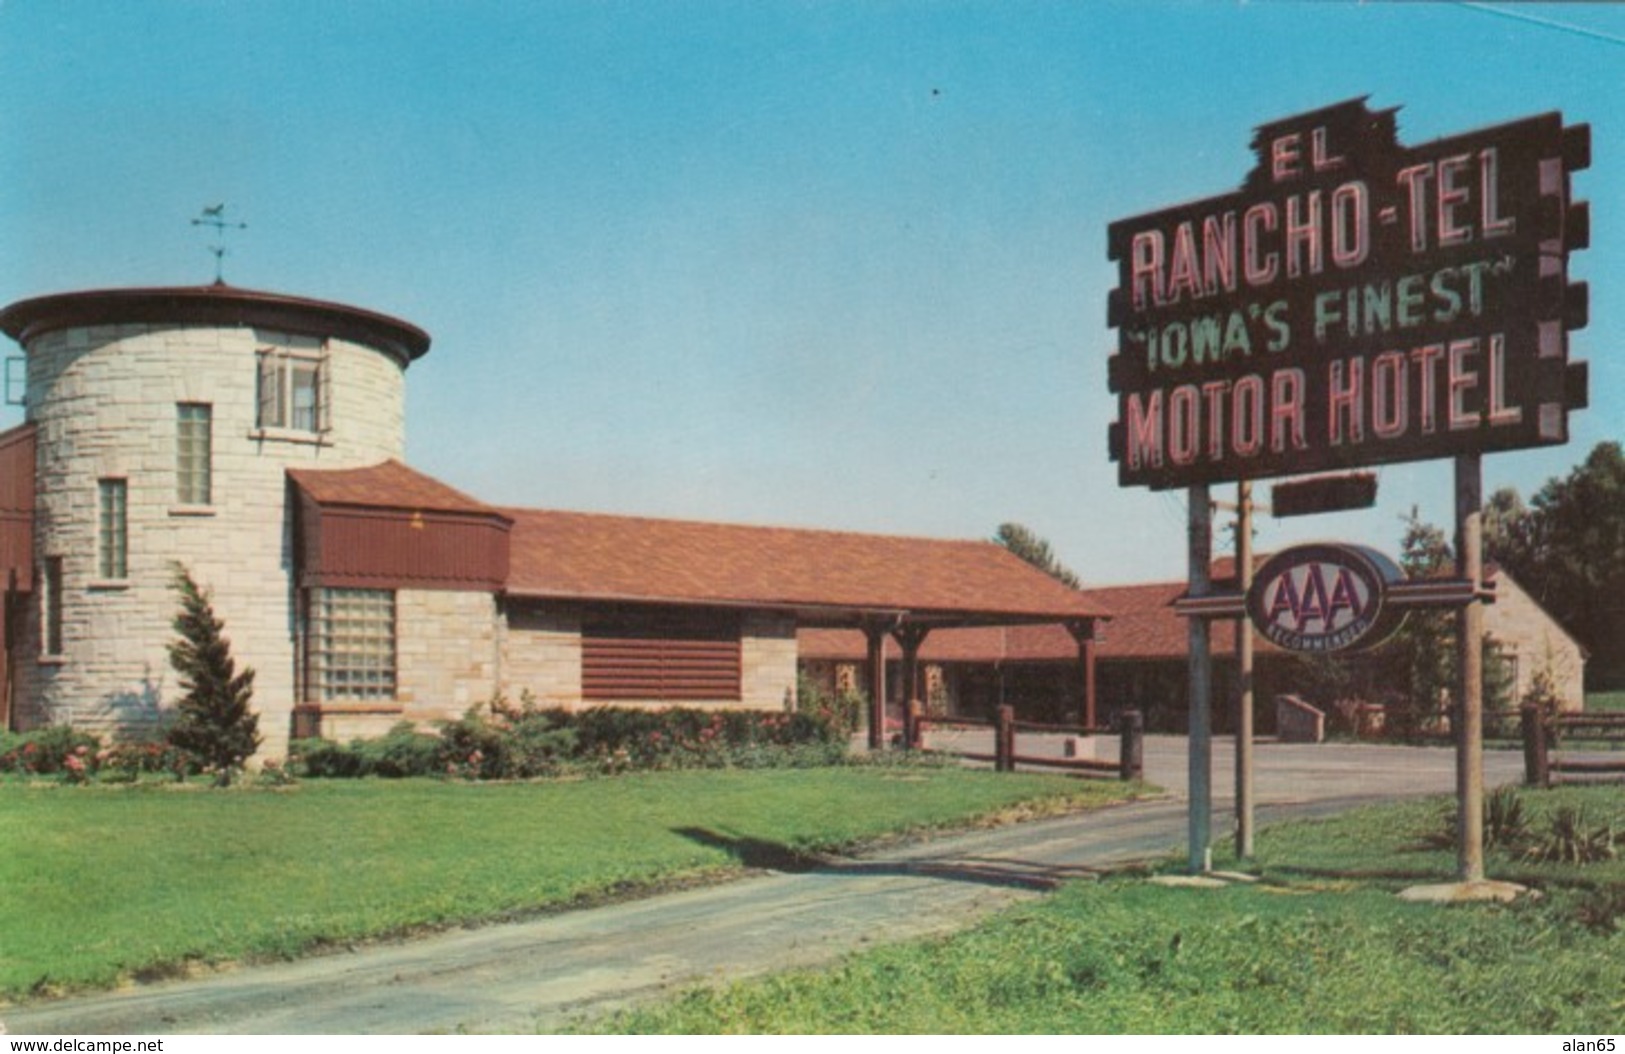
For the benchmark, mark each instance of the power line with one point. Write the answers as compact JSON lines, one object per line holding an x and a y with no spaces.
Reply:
{"x":1547,"y":23}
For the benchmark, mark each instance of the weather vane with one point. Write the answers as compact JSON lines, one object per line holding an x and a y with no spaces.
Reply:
{"x":215,"y":216}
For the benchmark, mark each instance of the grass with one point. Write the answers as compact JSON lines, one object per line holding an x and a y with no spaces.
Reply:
{"x":106,"y":883}
{"x":1320,"y":945}
{"x":1613,"y":702}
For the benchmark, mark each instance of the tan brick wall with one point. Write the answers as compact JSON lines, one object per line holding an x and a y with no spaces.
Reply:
{"x":104,"y":398}
{"x":767,"y":658}
{"x":446,"y":652}
{"x":542,"y":655}
{"x":1526,"y":633}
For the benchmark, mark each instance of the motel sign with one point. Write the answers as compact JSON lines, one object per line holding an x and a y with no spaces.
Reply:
{"x":1356,"y":302}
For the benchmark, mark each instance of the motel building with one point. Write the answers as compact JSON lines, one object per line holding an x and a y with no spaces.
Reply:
{"x":258,"y":440}
{"x":1141,"y":660}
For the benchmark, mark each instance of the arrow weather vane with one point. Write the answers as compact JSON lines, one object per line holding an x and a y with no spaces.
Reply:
{"x":215,"y":216}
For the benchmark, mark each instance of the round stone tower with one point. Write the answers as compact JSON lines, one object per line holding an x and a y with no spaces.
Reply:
{"x":163,"y":421}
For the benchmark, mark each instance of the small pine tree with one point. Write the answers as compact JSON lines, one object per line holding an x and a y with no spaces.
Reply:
{"x":214,"y":720}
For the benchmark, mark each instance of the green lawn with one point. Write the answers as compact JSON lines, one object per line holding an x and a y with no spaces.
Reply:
{"x":102,"y":883}
{"x":1607,"y":701}
{"x":1321,"y":945}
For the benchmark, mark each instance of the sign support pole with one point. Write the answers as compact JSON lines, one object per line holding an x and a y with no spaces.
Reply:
{"x":1244,"y":674}
{"x":1200,"y":518}
{"x":1470,"y":672}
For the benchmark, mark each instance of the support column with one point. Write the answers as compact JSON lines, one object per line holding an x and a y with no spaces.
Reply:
{"x":875,"y":634}
{"x":909,"y":638}
{"x":1470,"y":671}
{"x":1200,"y":523}
{"x":1244,"y":675}
{"x":1083,"y":631}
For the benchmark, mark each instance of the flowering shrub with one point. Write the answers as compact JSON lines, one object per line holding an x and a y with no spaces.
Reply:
{"x":74,"y":769}
{"x":694,"y":738}
{"x":504,"y":741}
{"x":841,"y":710}
{"x":511,"y":743}
{"x":45,"y":752}
{"x":79,"y":757}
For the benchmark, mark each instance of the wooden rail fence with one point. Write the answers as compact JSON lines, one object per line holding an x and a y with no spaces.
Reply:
{"x":1006,"y":755}
{"x":1544,"y":761}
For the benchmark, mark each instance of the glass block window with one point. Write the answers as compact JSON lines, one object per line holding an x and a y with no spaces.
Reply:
{"x":352,"y":648}
{"x":112,"y":535}
{"x":194,"y":445}
{"x":292,"y":389}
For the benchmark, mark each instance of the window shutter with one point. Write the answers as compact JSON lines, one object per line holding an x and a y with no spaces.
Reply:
{"x":661,"y":659}
{"x":324,"y":393}
{"x":269,"y":414}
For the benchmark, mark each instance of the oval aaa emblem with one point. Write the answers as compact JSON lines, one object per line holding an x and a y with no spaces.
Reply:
{"x":1322,"y":598}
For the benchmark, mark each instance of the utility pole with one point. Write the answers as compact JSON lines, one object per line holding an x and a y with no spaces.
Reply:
{"x":1200,"y":519}
{"x":1470,"y":671}
{"x":1244,"y":674}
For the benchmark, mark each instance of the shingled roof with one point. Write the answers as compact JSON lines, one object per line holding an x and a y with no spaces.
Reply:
{"x":591,"y":556}
{"x":1143,"y":627}
{"x":389,"y":485}
{"x":828,"y":575}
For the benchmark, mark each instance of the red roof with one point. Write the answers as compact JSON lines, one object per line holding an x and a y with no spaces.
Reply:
{"x":1143,"y":626}
{"x":591,"y":556}
{"x":390,"y":485}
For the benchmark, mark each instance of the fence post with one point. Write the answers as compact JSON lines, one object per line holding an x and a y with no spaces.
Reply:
{"x":913,"y":734}
{"x":1131,"y":733}
{"x":1004,"y":740}
{"x":1537,"y":770}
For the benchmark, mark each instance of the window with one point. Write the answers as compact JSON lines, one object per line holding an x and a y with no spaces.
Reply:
{"x":655,"y":657}
{"x":112,"y":536}
{"x":292,"y":389}
{"x":51,"y":607}
{"x":194,"y":446}
{"x":352,"y":650}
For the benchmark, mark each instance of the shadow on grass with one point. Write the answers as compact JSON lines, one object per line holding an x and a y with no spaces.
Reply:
{"x":983,"y":870}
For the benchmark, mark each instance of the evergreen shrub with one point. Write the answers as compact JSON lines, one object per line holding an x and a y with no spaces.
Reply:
{"x":213,"y":719}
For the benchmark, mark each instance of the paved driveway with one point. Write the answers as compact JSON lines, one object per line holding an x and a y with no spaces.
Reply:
{"x":537,"y":974}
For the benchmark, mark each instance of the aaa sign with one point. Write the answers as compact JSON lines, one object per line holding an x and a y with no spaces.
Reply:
{"x":1324,"y":598}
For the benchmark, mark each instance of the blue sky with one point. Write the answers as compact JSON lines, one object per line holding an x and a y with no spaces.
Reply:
{"x":818,"y":264}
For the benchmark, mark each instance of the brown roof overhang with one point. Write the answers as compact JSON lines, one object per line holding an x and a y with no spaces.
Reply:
{"x":390,"y":527}
{"x":214,"y":305}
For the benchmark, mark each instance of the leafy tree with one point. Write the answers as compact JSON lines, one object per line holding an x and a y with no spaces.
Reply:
{"x":214,"y":721}
{"x":1036,"y":551}
{"x":1419,"y":661}
{"x":1567,"y":548}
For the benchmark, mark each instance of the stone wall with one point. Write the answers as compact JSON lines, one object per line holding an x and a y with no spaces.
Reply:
{"x":1532,"y":640}
{"x":105,"y":401}
{"x":767,"y":656}
{"x":542,"y":656}
{"x":447,"y":652}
